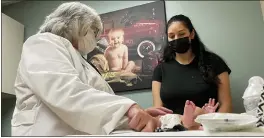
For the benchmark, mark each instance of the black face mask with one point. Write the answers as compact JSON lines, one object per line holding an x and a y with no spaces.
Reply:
{"x":181,"y":45}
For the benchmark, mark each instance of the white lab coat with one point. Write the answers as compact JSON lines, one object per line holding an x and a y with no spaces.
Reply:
{"x":59,"y":93}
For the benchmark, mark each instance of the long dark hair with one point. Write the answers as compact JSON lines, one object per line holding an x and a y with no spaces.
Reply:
{"x":198,"y":48}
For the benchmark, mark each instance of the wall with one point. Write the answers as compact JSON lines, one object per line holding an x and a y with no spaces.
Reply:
{"x":12,"y":41}
{"x":233,"y":29}
{"x":262,"y":8}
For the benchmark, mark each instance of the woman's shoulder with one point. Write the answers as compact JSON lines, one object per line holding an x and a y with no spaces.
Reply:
{"x":160,"y":65}
{"x":218,"y":63}
{"x":213,"y":57}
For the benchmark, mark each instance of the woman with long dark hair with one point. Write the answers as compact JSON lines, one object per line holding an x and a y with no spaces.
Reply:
{"x":189,"y":72}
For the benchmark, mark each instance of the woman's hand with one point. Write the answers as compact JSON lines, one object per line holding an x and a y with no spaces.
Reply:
{"x":210,"y":107}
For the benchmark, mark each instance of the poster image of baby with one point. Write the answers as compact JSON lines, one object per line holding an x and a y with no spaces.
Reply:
{"x":117,"y":53}
{"x":130,"y":46}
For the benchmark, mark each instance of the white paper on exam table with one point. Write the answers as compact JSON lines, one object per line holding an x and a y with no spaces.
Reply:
{"x":251,"y":132}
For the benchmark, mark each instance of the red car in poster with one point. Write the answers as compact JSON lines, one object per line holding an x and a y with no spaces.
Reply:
{"x":141,"y":37}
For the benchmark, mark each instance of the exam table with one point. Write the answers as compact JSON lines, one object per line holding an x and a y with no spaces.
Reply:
{"x":123,"y":133}
{"x":253,"y":132}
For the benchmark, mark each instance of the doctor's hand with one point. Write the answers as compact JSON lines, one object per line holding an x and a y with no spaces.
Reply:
{"x":140,"y":120}
{"x":158,"y":111}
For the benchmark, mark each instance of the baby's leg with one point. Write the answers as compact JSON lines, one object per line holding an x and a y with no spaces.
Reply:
{"x":130,"y":66}
{"x":198,"y":111}
{"x":189,"y":116}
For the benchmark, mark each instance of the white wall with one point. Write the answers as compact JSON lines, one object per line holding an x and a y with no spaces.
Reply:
{"x":12,"y":41}
{"x":262,"y":8}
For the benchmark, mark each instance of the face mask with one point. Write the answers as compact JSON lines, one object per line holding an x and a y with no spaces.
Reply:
{"x":87,"y":43}
{"x":181,"y":45}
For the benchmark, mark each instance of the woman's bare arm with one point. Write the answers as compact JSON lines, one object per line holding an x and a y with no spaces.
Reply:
{"x":156,"y":94}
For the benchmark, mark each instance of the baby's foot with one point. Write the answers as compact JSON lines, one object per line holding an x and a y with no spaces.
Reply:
{"x":188,"y":115}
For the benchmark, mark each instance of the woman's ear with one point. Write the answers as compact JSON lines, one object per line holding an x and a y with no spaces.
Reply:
{"x":192,"y":34}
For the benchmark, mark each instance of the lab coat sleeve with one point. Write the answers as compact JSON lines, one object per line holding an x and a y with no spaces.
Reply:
{"x":50,"y":73}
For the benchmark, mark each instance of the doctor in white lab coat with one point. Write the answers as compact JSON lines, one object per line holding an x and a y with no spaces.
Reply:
{"x":59,"y":93}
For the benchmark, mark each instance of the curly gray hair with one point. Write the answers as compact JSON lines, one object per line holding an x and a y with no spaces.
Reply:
{"x":72,"y":20}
